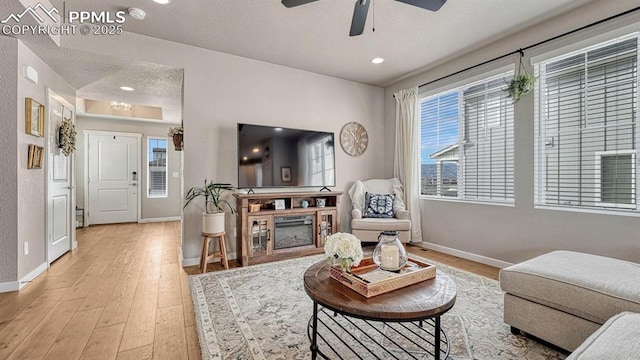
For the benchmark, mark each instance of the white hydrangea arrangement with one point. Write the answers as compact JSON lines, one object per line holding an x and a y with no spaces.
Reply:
{"x":346,"y":248}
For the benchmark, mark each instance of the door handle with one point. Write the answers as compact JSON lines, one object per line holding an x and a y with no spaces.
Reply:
{"x":134,"y":184}
{"x":68,"y":187}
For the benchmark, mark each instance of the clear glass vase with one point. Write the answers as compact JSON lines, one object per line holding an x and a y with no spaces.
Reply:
{"x":390,"y":254}
{"x":344,"y":263}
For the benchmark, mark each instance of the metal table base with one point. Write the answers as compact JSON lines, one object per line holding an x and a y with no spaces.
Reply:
{"x":337,"y":336}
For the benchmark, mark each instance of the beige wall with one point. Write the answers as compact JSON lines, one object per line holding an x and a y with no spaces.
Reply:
{"x":152,"y":208}
{"x":32,"y":183}
{"x":22,"y":190}
{"x":9,"y":162}
{"x":221,"y":90}
{"x":513,"y":234}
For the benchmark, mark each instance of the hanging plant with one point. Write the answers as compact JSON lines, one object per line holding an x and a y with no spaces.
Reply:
{"x":522,"y":83}
{"x":178,"y":130}
{"x":67,"y":136}
{"x":177,"y":134}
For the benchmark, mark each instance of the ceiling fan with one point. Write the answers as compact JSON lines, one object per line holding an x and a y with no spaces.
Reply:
{"x":362,"y":8}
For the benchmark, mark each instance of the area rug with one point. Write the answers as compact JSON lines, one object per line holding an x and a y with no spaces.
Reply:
{"x":262,"y":312}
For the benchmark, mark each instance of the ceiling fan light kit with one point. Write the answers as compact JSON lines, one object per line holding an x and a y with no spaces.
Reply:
{"x":361,"y":9}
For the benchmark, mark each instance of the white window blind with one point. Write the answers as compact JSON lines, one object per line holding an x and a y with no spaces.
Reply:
{"x":157,"y":167}
{"x":586,"y":127}
{"x":488,"y":141}
{"x":467,"y":142}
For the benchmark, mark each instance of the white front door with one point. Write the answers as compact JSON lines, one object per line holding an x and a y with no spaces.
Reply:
{"x":61,"y":180}
{"x":114,"y":175}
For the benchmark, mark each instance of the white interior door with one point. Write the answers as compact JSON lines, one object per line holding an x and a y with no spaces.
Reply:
{"x":114,"y":174}
{"x":61,"y":181}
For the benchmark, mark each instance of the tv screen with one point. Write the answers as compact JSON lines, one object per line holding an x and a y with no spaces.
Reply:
{"x":279,"y":157}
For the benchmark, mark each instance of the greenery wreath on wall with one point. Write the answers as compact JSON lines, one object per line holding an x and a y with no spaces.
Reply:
{"x":67,"y":136}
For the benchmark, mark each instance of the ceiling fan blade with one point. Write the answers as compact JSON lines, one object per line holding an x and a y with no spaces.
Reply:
{"x":294,"y":3}
{"x":359,"y":17}
{"x":433,"y":5}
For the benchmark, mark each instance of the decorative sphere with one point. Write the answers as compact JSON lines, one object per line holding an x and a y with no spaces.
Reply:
{"x":304,"y":204}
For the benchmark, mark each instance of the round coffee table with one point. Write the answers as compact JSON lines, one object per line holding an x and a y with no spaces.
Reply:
{"x":348,"y":325}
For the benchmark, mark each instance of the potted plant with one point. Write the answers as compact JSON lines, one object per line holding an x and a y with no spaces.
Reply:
{"x":213,"y":219}
{"x":522,"y":83}
{"x":177,"y":134}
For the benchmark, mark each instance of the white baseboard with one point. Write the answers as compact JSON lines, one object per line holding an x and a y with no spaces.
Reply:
{"x":465,"y":255}
{"x":33,"y":274}
{"x":162,"y":219}
{"x":196,"y":261}
{"x":9,"y":286}
{"x":17,"y":285}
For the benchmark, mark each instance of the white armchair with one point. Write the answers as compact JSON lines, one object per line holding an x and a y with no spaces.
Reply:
{"x":366,"y":228}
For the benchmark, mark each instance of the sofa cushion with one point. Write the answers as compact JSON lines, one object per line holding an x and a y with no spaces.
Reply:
{"x":380,"y":224}
{"x":616,"y":339}
{"x":589,"y":286}
{"x":376,"y":186}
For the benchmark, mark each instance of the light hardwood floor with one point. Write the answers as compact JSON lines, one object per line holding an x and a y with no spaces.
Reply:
{"x":122,"y":294}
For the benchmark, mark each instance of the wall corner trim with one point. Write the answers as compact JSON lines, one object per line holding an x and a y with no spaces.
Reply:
{"x":9,"y":286}
{"x":33,"y":274}
{"x":465,"y":255}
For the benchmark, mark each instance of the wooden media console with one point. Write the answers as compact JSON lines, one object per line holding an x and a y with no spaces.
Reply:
{"x":268,"y":234}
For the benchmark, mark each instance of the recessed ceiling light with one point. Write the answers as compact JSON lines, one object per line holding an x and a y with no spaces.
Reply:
{"x":377,"y":60}
{"x":256,"y":150}
{"x":137,"y":13}
{"x":162,"y":2}
{"x":278,"y":129}
{"x":126,"y":88}
{"x":245,"y":158}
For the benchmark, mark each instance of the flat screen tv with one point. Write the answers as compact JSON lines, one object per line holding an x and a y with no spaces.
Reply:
{"x":271,"y":156}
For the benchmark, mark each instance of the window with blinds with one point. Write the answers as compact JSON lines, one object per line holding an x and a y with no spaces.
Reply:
{"x":586,"y":127}
{"x":157,"y":167}
{"x":467,"y":142}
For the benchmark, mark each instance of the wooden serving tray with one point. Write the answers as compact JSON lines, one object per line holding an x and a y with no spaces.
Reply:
{"x":368,"y":280}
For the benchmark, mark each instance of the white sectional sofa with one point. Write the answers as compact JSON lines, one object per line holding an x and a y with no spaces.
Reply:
{"x":563,"y":297}
{"x":618,"y":338}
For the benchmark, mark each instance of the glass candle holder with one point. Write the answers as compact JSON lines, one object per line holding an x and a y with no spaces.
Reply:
{"x":390,"y":254}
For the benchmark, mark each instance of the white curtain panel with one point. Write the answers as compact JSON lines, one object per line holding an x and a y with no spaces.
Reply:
{"x":406,"y":160}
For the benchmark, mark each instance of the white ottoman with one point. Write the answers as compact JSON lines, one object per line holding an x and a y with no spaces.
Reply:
{"x":563,"y":297}
{"x":618,"y":338}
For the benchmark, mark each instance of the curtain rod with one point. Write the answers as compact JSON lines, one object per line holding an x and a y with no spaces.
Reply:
{"x":521,"y":50}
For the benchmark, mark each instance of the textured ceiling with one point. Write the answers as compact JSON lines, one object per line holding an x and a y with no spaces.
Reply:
{"x":312,"y":37}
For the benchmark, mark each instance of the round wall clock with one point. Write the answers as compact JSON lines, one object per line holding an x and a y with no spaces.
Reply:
{"x":354,"y":138}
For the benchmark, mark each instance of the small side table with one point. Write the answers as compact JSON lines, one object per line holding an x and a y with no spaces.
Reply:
{"x":206,"y":256}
